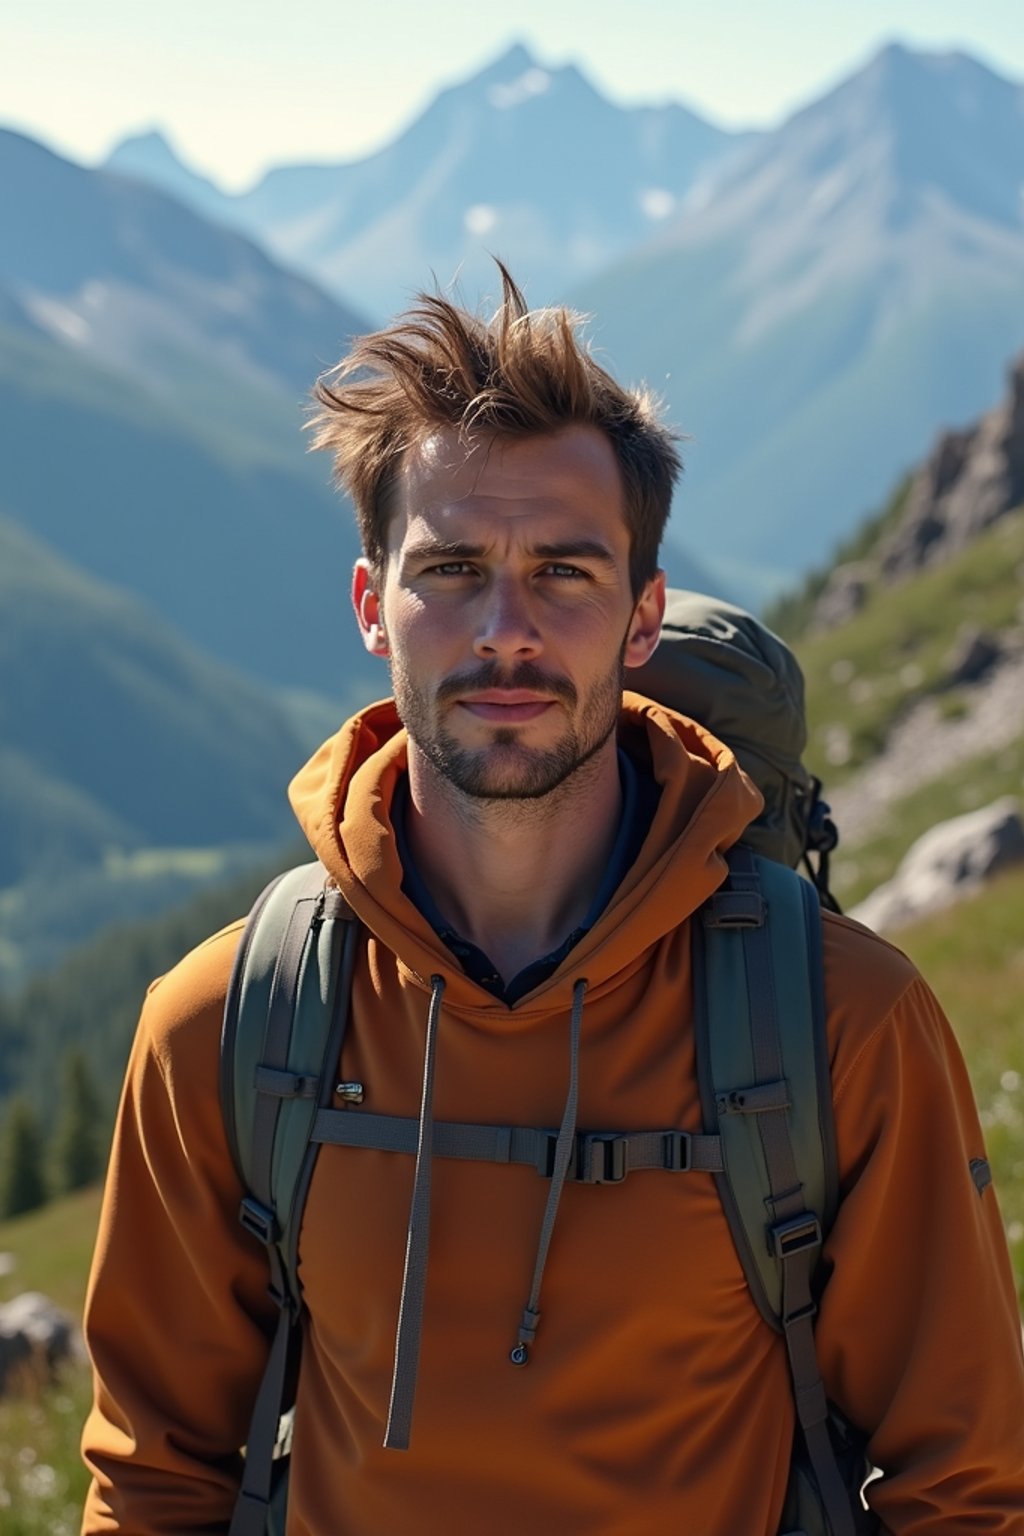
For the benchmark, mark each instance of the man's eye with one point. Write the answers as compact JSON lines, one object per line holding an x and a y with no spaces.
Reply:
{"x":556,"y":568}
{"x":450,"y":568}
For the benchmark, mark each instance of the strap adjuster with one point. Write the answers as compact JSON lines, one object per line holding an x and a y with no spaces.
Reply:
{"x":601,"y":1159}
{"x":259,"y":1220}
{"x":732,"y":908}
{"x":677,"y":1151}
{"x":796,"y":1235}
{"x":597,"y":1157}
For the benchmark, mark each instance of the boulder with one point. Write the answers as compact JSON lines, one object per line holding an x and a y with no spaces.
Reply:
{"x":35,"y":1334}
{"x":15,"y":1354}
{"x":947,"y":863}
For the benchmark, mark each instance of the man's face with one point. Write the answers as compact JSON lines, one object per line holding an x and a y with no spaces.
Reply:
{"x":506,"y":610}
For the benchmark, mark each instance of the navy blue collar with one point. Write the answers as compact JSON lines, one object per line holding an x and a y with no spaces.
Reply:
{"x":640,"y":795}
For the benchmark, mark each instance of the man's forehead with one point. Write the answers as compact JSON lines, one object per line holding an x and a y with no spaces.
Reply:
{"x":574,"y":464}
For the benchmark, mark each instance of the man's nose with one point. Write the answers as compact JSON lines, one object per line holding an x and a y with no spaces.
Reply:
{"x":506,"y":626}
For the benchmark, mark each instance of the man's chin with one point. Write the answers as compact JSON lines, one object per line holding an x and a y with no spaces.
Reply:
{"x":506,"y":771}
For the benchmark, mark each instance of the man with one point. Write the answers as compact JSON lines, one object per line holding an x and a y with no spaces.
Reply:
{"x":526,"y":853}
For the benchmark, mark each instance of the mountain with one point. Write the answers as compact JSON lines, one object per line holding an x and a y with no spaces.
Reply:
{"x":529,"y":162}
{"x":152,"y":368}
{"x":149,"y":157}
{"x":849,"y":283}
{"x":244,"y":548}
{"x":124,"y":751}
{"x":151,"y":738}
{"x":137,"y":281}
{"x":973,"y":477}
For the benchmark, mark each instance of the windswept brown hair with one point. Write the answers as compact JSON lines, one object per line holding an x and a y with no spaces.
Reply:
{"x":521,"y":374}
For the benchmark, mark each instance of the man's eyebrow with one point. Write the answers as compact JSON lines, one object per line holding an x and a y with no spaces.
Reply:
{"x":443,"y":549}
{"x":575,"y":549}
{"x":461,"y":549}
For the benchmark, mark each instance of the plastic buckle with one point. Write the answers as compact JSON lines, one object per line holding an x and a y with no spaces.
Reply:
{"x":677,"y":1151}
{"x":601,"y":1159}
{"x":258,"y":1220}
{"x":596,"y":1158}
{"x":796,"y":1235}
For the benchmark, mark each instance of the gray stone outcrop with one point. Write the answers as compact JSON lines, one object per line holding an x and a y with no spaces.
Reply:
{"x":969,"y":480}
{"x":949,"y":862}
{"x":35,"y":1335}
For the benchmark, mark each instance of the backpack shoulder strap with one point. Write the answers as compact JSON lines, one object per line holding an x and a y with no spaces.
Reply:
{"x":762,"y":1065}
{"x":284,"y":1022}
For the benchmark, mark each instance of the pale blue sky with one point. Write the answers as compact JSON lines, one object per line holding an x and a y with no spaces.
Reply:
{"x":239,"y":86}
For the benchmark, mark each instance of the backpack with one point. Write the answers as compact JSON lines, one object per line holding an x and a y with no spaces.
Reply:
{"x":761,"y":1050}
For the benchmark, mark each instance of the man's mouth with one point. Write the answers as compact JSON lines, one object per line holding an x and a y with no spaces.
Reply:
{"x":507,"y":706}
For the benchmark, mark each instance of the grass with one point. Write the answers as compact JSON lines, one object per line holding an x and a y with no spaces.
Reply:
{"x":52,"y":1248}
{"x":973,"y":957}
{"x":864,"y":675}
{"x":42,"y":1478}
{"x":43,"y":1481}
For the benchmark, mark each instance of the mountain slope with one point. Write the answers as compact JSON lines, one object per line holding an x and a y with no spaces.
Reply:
{"x":161,"y":743}
{"x":149,"y":157}
{"x":134,"y":279}
{"x":242,"y":547}
{"x":852,"y":280}
{"x":914,"y":651}
{"x":132,"y":767}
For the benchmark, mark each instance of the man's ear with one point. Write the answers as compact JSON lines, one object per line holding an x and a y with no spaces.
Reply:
{"x":367,"y":604}
{"x":645,"y":626}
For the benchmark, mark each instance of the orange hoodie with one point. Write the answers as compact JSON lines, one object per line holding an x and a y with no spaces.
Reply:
{"x":656,"y":1399}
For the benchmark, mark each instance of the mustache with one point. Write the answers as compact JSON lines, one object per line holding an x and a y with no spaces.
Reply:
{"x":526,"y":674}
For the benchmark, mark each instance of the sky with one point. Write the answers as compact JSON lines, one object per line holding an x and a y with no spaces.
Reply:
{"x":238,"y":86}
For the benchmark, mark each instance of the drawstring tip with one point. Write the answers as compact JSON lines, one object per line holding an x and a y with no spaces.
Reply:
{"x":527,"y":1333}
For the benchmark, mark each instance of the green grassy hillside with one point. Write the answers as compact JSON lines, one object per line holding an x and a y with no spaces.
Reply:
{"x":42,"y":1478}
{"x":973,"y":957}
{"x":862,"y":676}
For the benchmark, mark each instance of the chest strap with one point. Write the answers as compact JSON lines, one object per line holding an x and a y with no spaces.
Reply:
{"x":599,"y":1157}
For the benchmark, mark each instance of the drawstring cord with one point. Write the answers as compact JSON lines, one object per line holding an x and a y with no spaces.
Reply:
{"x":410,"y":1310}
{"x":563,"y":1155}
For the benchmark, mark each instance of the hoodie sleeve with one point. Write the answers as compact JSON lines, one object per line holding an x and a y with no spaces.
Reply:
{"x":919,"y":1333}
{"x":177,"y":1313}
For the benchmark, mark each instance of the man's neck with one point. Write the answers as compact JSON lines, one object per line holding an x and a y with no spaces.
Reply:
{"x":514,"y":877}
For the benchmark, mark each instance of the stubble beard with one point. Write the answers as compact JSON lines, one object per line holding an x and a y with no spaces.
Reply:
{"x":505,"y":770}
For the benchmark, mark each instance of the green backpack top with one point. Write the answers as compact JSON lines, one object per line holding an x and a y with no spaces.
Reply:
{"x":762,"y":1062}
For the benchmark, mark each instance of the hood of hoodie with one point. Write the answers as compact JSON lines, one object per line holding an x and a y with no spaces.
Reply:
{"x":343,"y":797}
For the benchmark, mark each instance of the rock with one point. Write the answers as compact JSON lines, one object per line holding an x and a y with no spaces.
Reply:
{"x":974,"y":654}
{"x":15,"y":1353}
{"x":970,"y":480}
{"x":34,"y":1333}
{"x":947,"y":863}
{"x":844,"y":595}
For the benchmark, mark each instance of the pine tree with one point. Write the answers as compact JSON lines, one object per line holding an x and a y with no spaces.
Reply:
{"x":78,"y":1153}
{"x":22,"y":1184}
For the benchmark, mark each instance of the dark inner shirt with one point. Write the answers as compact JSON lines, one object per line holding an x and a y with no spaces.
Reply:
{"x":640,"y":795}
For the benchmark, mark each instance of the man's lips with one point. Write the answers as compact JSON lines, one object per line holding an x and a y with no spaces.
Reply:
{"x":507,"y":706}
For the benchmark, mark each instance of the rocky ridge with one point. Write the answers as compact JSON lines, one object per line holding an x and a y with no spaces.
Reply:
{"x":971,"y":479}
